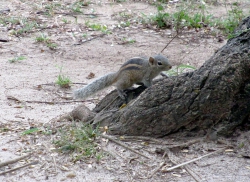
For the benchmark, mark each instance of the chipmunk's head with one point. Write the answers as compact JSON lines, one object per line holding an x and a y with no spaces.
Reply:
{"x":161,"y":62}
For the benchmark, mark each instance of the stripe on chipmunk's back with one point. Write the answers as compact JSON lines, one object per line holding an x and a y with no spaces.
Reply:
{"x":130,"y":67}
{"x":137,"y":61}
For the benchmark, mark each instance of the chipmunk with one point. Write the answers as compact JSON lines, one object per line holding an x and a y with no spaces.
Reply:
{"x":137,"y":70}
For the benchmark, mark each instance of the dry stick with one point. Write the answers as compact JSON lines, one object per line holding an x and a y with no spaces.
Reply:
{"x":43,"y":102}
{"x":87,"y":14}
{"x":193,"y":174}
{"x":4,"y":40}
{"x":109,"y":103}
{"x":14,"y":169}
{"x":123,"y":145}
{"x":174,"y":160}
{"x":184,"y":145}
{"x":101,"y":35}
{"x":141,"y":138}
{"x":169,"y":42}
{"x":185,"y":163}
{"x":91,"y":121}
{"x":14,"y":160}
{"x":157,"y":169}
{"x":170,"y":156}
{"x":193,"y":160}
{"x":53,"y":84}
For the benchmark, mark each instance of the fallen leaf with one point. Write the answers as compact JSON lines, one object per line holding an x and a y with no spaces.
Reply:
{"x":176,"y":175}
{"x":229,"y":150}
{"x":71,"y":175}
{"x":91,"y":75}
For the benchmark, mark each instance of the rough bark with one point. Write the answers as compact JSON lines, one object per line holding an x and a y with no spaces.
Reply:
{"x":216,"y":95}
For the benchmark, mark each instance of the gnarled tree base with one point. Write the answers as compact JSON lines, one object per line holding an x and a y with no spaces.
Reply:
{"x":215,"y":96}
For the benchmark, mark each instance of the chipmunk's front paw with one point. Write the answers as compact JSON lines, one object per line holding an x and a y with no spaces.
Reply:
{"x":122,"y":94}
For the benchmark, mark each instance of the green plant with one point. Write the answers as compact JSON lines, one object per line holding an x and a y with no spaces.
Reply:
{"x":131,"y":41}
{"x":79,"y":139}
{"x":228,"y":24}
{"x":16,"y":59}
{"x":30,"y":131}
{"x":125,"y":24}
{"x":4,"y":129}
{"x":98,"y":27}
{"x":51,"y":7}
{"x":51,"y":45}
{"x":62,"y":80}
{"x":6,"y":20}
{"x":64,"y":20}
{"x":84,"y":35}
{"x":195,"y":15}
{"x":48,"y":42}
{"x":128,"y":41}
{"x":42,"y":38}
{"x":27,"y":27}
{"x":125,"y":15}
{"x":241,"y":145}
{"x":183,"y":17}
{"x":24,"y":25}
{"x":182,"y":68}
{"x":162,"y":19}
{"x":76,"y":7}
{"x":234,"y":34}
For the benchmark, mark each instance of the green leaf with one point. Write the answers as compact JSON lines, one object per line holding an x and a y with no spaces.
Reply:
{"x":30,"y":131}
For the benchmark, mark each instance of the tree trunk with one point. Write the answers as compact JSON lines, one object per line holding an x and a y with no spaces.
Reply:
{"x":216,"y":95}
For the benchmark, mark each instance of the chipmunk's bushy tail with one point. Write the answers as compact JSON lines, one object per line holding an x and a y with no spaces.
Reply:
{"x":95,"y":86}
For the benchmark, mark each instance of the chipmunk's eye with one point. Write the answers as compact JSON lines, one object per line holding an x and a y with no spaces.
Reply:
{"x":159,"y":63}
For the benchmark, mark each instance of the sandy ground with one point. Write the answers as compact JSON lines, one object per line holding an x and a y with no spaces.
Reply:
{"x":27,"y":86}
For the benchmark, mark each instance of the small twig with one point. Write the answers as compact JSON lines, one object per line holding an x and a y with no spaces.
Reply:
{"x":109,"y":104}
{"x":174,"y":160}
{"x":184,"y":145}
{"x":14,"y":169}
{"x":91,"y":121}
{"x":4,"y":11}
{"x":157,"y":169}
{"x":193,"y":174}
{"x":53,"y":84}
{"x":80,"y":43}
{"x":93,"y":14}
{"x":4,"y":40}
{"x":186,"y":55}
{"x":113,"y":154}
{"x":141,"y":138}
{"x":169,"y":42}
{"x":123,"y":145}
{"x":54,"y":161}
{"x":74,"y":14}
{"x":45,"y":102}
{"x":193,"y":160}
{"x":15,"y":160}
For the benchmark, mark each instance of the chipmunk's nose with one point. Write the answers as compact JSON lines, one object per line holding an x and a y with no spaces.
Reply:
{"x":170,"y":67}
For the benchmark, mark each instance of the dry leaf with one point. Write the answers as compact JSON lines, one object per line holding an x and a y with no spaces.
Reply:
{"x":229,"y":150}
{"x":71,"y":175}
{"x":176,"y":175}
{"x":91,"y":75}
{"x":64,"y":168}
{"x":185,"y":151}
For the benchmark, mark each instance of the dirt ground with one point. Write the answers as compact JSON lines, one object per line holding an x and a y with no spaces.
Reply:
{"x":29,"y":97}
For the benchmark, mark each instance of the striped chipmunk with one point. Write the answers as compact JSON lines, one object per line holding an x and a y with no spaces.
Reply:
{"x":136,"y":70}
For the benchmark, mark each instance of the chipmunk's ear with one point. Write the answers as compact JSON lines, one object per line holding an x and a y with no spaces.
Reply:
{"x":151,"y":61}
